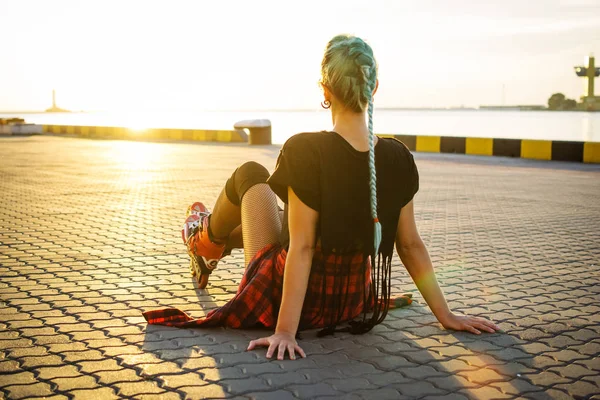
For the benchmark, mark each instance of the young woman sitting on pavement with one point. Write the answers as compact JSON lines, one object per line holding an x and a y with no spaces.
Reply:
{"x":325,"y":261}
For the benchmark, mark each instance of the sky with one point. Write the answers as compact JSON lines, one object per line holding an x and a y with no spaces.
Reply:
{"x":232,"y":55}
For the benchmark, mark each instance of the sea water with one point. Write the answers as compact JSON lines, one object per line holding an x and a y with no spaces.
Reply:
{"x":545,"y":125}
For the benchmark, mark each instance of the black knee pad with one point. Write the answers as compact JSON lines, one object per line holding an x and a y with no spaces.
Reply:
{"x":243,"y":178}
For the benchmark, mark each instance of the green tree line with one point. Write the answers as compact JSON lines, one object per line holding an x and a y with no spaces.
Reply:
{"x":558,"y":101}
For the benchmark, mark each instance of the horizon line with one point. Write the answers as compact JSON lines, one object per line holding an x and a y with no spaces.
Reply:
{"x":420,"y":108}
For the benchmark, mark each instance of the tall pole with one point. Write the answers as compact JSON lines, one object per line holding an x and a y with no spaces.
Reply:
{"x":591,"y":74}
{"x":53,"y":98}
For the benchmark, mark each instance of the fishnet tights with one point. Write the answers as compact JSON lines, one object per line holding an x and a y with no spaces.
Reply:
{"x":260,"y":220}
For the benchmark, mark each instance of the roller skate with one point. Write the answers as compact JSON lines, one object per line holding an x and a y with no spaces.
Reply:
{"x":204,"y":253}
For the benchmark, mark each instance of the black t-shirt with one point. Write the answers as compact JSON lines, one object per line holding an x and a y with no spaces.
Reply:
{"x":332,"y":177}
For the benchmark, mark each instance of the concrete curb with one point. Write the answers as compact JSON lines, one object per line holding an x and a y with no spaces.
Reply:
{"x":20,"y":129}
{"x":201,"y":135}
{"x":587,"y":152}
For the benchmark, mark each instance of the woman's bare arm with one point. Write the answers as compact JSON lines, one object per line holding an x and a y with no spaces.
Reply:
{"x":302,"y":222}
{"x":415,"y":257}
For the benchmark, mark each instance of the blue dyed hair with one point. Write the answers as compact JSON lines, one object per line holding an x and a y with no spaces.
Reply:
{"x":349,"y":71}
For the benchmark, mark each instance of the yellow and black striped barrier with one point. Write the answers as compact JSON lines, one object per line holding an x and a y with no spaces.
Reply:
{"x":587,"y":152}
{"x":107,"y":132}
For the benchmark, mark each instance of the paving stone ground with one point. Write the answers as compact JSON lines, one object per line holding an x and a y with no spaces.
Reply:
{"x":89,"y":238}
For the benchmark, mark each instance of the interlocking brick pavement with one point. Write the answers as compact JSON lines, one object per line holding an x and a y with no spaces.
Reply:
{"x":89,"y":238}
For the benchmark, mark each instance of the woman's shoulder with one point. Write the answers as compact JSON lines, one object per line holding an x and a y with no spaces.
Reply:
{"x":306,"y":144}
{"x":395,"y":144}
{"x":396,"y":149}
{"x":305,"y":139}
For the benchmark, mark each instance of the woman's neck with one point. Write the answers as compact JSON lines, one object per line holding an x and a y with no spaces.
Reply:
{"x":351,"y":126}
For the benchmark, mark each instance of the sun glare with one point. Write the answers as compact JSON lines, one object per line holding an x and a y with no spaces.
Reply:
{"x":137,"y":129}
{"x":137,"y":123}
{"x":137,"y":156}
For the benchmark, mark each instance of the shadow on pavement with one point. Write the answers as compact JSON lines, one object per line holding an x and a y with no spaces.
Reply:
{"x":409,"y":355}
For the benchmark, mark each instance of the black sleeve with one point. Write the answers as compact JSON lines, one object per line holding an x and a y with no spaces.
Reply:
{"x":408,"y":173}
{"x":298,"y":166}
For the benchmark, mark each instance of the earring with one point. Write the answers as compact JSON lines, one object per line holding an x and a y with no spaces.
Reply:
{"x":326,"y":104}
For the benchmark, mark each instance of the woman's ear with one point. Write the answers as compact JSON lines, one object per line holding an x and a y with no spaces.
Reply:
{"x":326,"y":93}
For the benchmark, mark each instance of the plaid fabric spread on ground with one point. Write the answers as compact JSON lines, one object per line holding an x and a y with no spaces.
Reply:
{"x":257,"y":301}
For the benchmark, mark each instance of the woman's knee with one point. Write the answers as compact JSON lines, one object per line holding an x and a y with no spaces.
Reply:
{"x":243,"y":178}
{"x":253,"y":169}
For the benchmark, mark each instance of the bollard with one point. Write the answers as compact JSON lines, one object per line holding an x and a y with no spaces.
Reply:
{"x":260,"y":130}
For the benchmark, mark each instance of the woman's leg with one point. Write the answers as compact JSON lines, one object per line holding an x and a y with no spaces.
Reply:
{"x":261,"y":223}
{"x":236,"y":240}
{"x":226,"y":216}
{"x":248,"y":200}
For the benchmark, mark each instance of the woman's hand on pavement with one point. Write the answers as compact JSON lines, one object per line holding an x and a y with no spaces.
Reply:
{"x":280,"y":343}
{"x":471,"y":324}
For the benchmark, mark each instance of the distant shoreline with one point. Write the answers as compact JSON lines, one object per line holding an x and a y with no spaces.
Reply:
{"x":492,"y":108}
{"x":41,"y":112}
{"x":257,"y":110}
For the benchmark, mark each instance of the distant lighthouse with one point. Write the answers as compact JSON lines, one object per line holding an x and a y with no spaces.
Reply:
{"x":54,"y":107}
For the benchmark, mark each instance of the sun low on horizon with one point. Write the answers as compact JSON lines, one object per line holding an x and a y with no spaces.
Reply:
{"x":148,"y":55}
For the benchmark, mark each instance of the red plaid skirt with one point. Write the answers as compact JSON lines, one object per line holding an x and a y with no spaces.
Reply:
{"x":336,"y":292}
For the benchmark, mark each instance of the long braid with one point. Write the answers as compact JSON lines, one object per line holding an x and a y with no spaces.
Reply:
{"x":380,"y":295}
{"x":373,"y":181}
